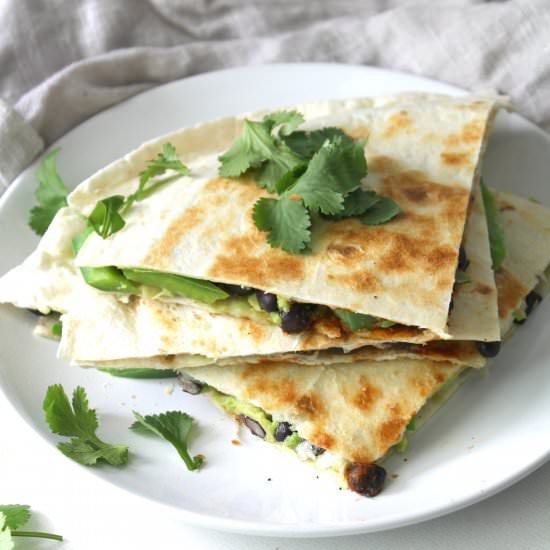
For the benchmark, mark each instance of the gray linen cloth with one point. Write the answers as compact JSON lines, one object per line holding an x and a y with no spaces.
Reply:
{"x":62,"y":61}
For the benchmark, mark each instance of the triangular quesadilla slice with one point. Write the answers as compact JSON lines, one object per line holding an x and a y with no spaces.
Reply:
{"x":346,"y":417}
{"x":423,"y":151}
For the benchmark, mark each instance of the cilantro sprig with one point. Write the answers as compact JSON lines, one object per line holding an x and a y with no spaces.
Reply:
{"x":80,"y":423}
{"x":313,"y":173}
{"x":107,"y":215}
{"x":51,"y":194}
{"x":173,"y":426}
{"x":14,"y":516}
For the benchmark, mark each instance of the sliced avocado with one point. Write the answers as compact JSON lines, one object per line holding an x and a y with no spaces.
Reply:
{"x":240,"y":306}
{"x":283,"y":303}
{"x":196,"y":289}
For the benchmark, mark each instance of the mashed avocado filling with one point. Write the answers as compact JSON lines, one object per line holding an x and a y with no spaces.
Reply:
{"x":240,"y":409}
{"x":154,"y":285}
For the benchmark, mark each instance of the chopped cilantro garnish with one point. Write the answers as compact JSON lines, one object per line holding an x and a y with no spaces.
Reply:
{"x":80,"y":423}
{"x":312,"y":172}
{"x":57,"y":328}
{"x":174,"y":427}
{"x":51,"y":194}
{"x":497,"y":240}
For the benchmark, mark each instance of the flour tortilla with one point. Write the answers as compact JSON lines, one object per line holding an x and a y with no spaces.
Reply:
{"x":359,"y":411}
{"x":423,"y":150}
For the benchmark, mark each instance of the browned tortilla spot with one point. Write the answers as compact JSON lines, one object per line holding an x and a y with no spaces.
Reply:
{"x":396,"y":123}
{"x":455,"y":159}
{"x":510,"y":292}
{"x":366,"y":395}
{"x":389,"y":432}
{"x":310,"y":405}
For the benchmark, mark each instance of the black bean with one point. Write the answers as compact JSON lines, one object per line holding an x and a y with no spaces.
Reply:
{"x":488,"y":349}
{"x":316,"y":450}
{"x":297,"y":318}
{"x":267,"y":301}
{"x":531,"y":300}
{"x":236,"y":290}
{"x":366,"y":479}
{"x":463,"y":261}
{"x":189,"y":385}
{"x":252,"y":425}
{"x":282,"y":431}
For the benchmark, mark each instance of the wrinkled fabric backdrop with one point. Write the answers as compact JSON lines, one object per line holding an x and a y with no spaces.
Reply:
{"x":62,"y":61}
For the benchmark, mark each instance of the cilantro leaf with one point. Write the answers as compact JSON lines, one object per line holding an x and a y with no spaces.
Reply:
{"x":286,"y":221}
{"x":174,"y":427}
{"x":6,"y":542}
{"x":306,"y":144}
{"x":80,"y":423}
{"x":287,"y":121}
{"x":254,"y":146}
{"x":355,"y":321}
{"x":273,"y":173}
{"x":16,"y":514}
{"x":334,"y":171}
{"x":51,"y":194}
{"x":357,"y":203}
{"x":105,"y":218}
{"x":167,"y":159}
{"x":382,"y":211}
{"x":497,"y":241}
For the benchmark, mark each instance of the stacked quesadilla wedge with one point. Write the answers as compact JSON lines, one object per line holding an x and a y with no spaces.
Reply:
{"x":319,"y":385}
{"x":345,"y":417}
{"x":407,"y":264}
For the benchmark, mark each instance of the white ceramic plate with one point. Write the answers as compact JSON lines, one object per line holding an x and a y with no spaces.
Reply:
{"x":492,"y":433}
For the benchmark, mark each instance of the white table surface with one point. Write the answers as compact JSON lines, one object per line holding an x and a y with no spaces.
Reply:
{"x":34,"y":473}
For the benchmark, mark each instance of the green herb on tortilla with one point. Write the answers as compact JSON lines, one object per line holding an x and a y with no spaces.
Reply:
{"x":51,"y":194}
{"x":107,"y":216}
{"x":13,"y":516}
{"x":496,"y":234}
{"x":355,"y":321}
{"x":140,"y":373}
{"x":286,"y":221}
{"x":174,"y":427}
{"x":79,"y":422}
{"x":312,"y":172}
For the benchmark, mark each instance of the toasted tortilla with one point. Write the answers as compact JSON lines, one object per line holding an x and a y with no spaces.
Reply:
{"x":526,"y":227}
{"x":359,"y":411}
{"x":422,"y":150}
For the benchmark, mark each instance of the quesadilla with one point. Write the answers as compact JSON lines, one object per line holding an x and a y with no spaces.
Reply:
{"x":344,"y":418}
{"x":422,"y":151}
